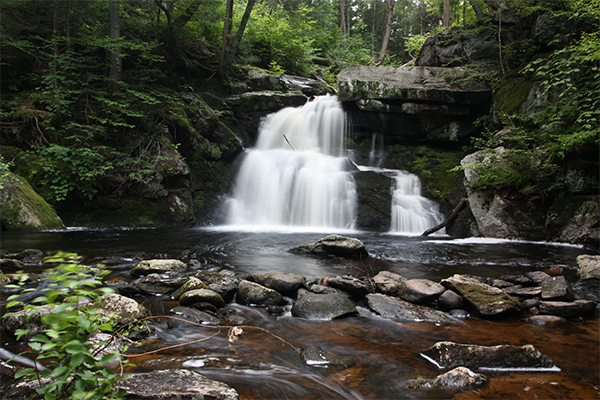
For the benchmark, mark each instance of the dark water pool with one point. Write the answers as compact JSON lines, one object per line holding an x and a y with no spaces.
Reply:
{"x":369,"y":357}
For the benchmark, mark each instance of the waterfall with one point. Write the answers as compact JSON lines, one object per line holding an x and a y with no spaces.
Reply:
{"x":298,"y":174}
{"x":411,"y":212}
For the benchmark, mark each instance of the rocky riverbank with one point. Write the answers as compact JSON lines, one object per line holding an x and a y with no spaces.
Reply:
{"x":544,"y":298}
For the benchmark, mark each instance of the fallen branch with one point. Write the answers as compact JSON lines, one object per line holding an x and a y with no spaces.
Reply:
{"x":451,"y":218}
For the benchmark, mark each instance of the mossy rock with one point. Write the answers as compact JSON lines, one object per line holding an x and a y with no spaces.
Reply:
{"x":22,"y":209}
{"x":512,"y":95}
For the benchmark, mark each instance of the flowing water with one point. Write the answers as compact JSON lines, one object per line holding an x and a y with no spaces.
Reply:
{"x":295,"y":187}
{"x":368,"y":357}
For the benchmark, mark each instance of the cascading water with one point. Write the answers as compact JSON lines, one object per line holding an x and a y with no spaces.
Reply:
{"x":298,"y":174}
{"x":411,"y":212}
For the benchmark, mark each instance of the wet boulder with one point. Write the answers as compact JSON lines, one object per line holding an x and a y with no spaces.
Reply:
{"x":501,"y":357}
{"x":420,"y":291}
{"x":254,"y":294}
{"x":557,"y":288}
{"x":120,"y":308}
{"x":388,"y":282}
{"x":334,"y":245}
{"x":154,"y":284}
{"x":176,"y":384}
{"x":355,"y":287}
{"x":285,"y":283}
{"x":192,"y":315}
{"x":449,"y":300}
{"x":483,"y":299}
{"x":201,"y":296}
{"x":567,"y":309}
{"x":147,"y":267}
{"x":393,"y":307}
{"x":34,"y":324}
{"x":223,"y":282}
{"x":192,"y":283}
{"x":326,"y":306}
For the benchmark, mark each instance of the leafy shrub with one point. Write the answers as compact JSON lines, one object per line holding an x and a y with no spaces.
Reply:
{"x":76,"y":366}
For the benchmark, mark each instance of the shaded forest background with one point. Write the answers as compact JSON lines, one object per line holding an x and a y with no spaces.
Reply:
{"x":92,"y":90}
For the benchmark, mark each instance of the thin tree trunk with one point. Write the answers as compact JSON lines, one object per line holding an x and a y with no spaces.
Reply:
{"x":226,"y":32}
{"x":388,"y":30}
{"x":446,"y":13}
{"x":451,"y":218}
{"x":343,"y":18}
{"x":374,"y":28}
{"x":55,"y":44}
{"x":116,"y":66}
{"x":240,"y":31}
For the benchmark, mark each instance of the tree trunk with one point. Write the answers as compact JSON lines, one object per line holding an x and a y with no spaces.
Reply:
{"x":478,"y":13}
{"x":226,"y":32}
{"x":240,"y":31}
{"x":451,"y":218}
{"x":388,"y":30}
{"x":374,"y":29}
{"x":343,"y":18}
{"x":446,"y":13}
{"x":116,"y":66}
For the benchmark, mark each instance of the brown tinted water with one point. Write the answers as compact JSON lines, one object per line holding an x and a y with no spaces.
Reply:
{"x":367,"y":357}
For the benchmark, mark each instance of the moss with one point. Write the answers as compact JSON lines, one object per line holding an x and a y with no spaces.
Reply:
{"x":23,"y":209}
{"x":511,"y":95}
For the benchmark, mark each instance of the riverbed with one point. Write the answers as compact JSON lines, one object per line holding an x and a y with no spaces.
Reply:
{"x":367,"y":357}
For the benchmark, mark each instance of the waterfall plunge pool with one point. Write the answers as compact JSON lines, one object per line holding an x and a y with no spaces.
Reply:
{"x":372,"y":357}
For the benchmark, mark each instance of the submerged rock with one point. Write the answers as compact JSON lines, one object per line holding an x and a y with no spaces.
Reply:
{"x":192,"y":315}
{"x":458,"y":378}
{"x":486,"y":300}
{"x":546,"y":320}
{"x":326,"y":306}
{"x":501,"y":357}
{"x":393,"y":307}
{"x":334,"y":245}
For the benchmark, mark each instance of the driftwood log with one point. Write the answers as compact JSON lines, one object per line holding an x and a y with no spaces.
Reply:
{"x":451,"y":218}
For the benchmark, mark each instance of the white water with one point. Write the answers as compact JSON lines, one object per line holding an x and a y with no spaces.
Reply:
{"x":298,"y":174}
{"x":298,"y":177}
{"x":411,"y":212}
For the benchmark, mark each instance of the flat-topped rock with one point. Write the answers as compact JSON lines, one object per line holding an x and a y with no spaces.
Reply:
{"x":393,"y":307}
{"x":484,"y":299}
{"x":433,"y":84}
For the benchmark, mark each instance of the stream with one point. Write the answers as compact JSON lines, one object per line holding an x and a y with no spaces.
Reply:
{"x":369,"y":357}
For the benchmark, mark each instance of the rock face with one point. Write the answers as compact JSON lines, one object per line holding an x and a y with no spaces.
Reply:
{"x":23,"y":209}
{"x":429,"y":104}
{"x":484,"y":299}
{"x":374,"y":201}
{"x":503,"y":357}
{"x":334,"y":245}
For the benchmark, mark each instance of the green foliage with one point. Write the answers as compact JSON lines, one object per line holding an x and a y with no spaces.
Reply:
{"x":274,"y":36}
{"x":76,"y":367}
{"x":4,"y":169}
{"x":71,"y":170}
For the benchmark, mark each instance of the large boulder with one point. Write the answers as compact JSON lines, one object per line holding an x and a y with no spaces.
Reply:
{"x":223,"y":282}
{"x":448,"y":355}
{"x":334,"y":245}
{"x":326,"y":306}
{"x":588,"y":266}
{"x":158,"y":266}
{"x":23,"y":209}
{"x":120,"y":308}
{"x":483,"y":299}
{"x":498,"y":216}
{"x":393,"y":307}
